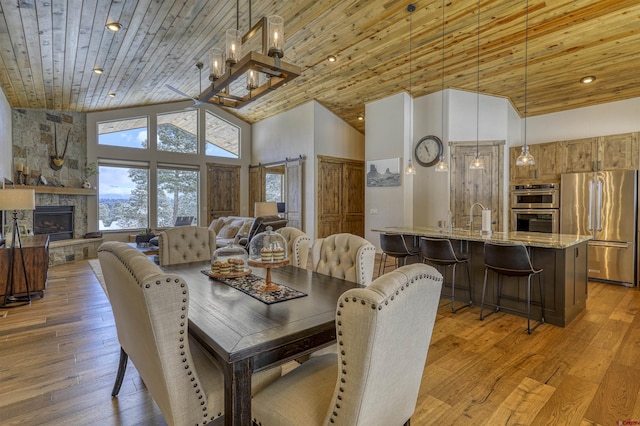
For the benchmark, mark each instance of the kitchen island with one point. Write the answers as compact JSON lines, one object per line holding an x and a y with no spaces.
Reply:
{"x":563,"y":258}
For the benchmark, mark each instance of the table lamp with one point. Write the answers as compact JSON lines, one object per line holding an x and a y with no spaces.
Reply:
{"x":16,"y":199}
{"x":266,"y":209}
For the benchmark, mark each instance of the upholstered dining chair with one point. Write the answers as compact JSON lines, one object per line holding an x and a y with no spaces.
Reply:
{"x":345,"y":256}
{"x":383,"y":332}
{"x":297,"y":245}
{"x":151,"y":312}
{"x":185,"y":244}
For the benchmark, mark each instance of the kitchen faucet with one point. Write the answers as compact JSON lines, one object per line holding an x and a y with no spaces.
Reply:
{"x":471,"y":214}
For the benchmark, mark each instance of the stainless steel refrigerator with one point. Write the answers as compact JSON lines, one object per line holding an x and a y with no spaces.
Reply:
{"x":603,"y":204}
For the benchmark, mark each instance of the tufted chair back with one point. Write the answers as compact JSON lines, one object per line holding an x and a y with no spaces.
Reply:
{"x":383,"y":332}
{"x":297,"y":245}
{"x":345,"y":256}
{"x":185,"y":244}
{"x":151,"y":310}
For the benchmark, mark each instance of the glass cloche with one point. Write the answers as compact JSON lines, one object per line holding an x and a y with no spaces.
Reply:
{"x":230,"y":259}
{"x":268,"y":246}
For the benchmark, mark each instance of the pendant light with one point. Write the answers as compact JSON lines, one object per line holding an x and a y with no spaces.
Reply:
{"x":525,"y":158}
{"x":410,"y":170}
{"x":478,"y":163}
{"x":442,"y":165}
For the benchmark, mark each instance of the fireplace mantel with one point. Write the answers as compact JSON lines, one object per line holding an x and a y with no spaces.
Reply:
{"x":59,"y":190}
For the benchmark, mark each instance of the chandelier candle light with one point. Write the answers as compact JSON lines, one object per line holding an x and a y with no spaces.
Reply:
{"x":263,"y":71}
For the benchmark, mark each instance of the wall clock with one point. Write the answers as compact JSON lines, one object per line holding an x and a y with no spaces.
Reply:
{"x":428,"y":150}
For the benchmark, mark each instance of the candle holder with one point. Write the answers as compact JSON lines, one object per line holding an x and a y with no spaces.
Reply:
{"x":19,"y":180}
{"x":25,"y":178}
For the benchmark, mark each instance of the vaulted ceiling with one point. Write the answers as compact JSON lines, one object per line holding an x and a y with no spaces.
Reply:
{"x":49,"y":48}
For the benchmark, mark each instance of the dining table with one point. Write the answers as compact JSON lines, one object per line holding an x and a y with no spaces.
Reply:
{"x":246,"y":335}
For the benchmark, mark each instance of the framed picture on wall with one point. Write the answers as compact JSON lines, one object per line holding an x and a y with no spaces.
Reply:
{"x":382,"y":173}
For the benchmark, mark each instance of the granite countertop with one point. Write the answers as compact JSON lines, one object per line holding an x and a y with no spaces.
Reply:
{"x":532,"y":239}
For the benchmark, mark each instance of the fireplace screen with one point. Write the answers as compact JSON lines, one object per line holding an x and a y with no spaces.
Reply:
{"x":57,"y":221}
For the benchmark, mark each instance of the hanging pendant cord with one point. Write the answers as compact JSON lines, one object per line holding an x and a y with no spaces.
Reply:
{"x":478,"y":90}
{"x":237,"y":15}
{"x":526,"y":71}
{"x":442,"y":91}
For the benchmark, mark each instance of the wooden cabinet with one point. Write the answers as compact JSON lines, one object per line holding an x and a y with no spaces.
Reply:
{"x":546,"y":168}
{"x":613,"y":152}
{"x":223,"y":190}
{"x":35,"y":251}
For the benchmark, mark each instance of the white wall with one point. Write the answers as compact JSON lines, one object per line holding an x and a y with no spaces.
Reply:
{"x":6,"y":139}
{"x":309,"y":130}
{"x":388,"y":135}
{"x":598,"y":120}
{"x":290,"y":134}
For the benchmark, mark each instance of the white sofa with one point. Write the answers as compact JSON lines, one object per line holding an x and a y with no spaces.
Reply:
{"x":228,"y":227}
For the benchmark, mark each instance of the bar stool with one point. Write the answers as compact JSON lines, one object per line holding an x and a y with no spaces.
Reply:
{"x":512,"y":261}
{"x":395,"y":245}
{"x":439,"y":252}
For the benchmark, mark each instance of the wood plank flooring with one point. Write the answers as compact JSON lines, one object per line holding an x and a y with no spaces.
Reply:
{"x":58,"y":359}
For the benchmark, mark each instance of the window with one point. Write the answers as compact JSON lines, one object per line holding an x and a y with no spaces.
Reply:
{"x":223,"y":138}
{"x":178,"y":132}
{"x":177,"y":194}
{"x":274,"y":186}
{"x":123,"y":202}
{"x":131,"y":133}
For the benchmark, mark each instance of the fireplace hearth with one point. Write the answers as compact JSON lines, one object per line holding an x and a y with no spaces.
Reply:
{"x":56,"y":221}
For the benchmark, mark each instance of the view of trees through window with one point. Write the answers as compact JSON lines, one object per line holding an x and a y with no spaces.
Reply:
{"x":124,"y":197}
{"x":177,"y":195}
{"x":223,"y":138}
{"x":178,"y":132}
{"x":274,"y":187}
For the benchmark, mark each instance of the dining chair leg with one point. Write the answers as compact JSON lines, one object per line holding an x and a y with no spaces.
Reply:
{"x":122,"y":367}
{"x":469,"y":283}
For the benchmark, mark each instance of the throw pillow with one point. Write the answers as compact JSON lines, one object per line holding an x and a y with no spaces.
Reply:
{"x":227,"y":231}
{"x":216,"y":225}
{"x":246,"y":227}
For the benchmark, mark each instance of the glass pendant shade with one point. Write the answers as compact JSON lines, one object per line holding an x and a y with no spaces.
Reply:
{"x":525,"y":158}
{"x":275,"y":34}
{"x":477,"y":164}
{"x":442,"y":165}
{"x":234,"y":46}
{"x":216,"y":63}
{"x":252,"y":80}
{"x":410,"y":170}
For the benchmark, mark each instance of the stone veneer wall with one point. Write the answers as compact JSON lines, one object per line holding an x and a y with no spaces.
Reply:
{"x":34,"y":144}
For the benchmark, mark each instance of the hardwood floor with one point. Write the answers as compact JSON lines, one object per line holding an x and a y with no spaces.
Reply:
{"x":58,"y":359}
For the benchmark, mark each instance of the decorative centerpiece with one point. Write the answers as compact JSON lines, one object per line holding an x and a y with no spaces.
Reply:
{"x":268,"y":250}
{"x":229,"y":261}
{"x":143,"y":237}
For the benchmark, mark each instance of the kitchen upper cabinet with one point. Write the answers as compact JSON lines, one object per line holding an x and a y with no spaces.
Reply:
{"x":613,"y":152}
{"x":546,"y":169}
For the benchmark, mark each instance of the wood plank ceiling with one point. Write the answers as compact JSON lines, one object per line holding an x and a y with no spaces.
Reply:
{"x":48,"y":49}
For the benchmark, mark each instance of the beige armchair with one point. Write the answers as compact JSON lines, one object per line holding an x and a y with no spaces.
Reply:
{"x":151,"y":312}
{"x":186,"y":244}
{"x":297,"y":245}
{"x":345,"y":256}
{"x":383,"y":332}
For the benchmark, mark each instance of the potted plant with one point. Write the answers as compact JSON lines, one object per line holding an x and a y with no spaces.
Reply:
{"x":90,"y":170}
{"x":144,"y":236}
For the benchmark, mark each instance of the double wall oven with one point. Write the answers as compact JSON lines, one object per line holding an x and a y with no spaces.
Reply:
{"x":535,"y":208}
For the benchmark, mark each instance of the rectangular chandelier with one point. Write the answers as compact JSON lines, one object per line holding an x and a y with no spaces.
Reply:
{"x":255,"y":74}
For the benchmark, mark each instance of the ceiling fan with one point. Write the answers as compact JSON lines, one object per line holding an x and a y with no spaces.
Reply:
{"x":196,"y":102}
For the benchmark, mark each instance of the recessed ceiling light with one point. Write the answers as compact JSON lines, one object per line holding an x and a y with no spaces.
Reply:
{"x":331,"y":58}
{"x":588,"y":79}
{"x":98,"y":70}
{"x":112,"y":94}
{"x":360,"y":117}
{"x":114,"y":26}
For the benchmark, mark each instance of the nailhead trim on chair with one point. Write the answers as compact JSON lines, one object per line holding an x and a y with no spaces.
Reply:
{"x":343,"y":373}
{"x":196,"y":385}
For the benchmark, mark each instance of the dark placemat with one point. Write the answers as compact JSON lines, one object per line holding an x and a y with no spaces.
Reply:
{"x":250,"y":284}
